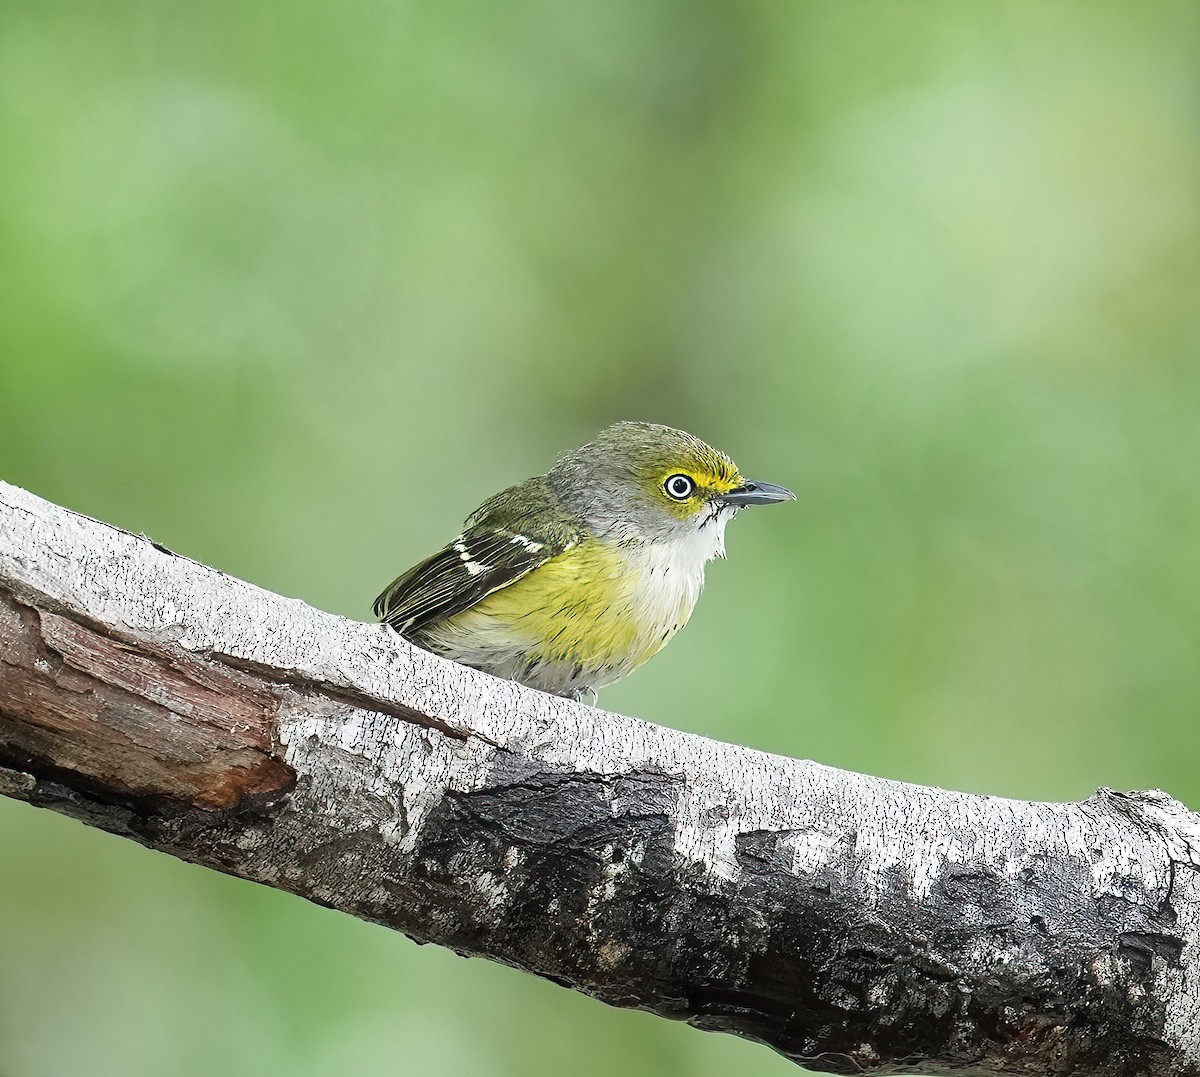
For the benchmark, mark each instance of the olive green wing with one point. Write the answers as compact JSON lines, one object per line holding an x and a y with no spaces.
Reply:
{"x":506,"y":538}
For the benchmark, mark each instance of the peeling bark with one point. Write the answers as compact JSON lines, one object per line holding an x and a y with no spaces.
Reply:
{"x":856,"y":925}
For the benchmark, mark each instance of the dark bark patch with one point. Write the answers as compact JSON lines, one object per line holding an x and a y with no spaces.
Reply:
{"x":1140,"y":948}
{"x":986,"y":971}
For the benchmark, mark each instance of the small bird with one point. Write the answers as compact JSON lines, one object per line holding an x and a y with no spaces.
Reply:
{"x":570,"y":580}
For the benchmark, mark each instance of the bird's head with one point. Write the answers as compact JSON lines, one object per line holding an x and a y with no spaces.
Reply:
{"x":642,"y":480}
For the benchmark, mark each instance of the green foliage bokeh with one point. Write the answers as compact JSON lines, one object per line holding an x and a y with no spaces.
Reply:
{"x":291,"y":288}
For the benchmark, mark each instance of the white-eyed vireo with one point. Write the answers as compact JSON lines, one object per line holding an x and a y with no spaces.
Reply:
{"x":570,"y":580}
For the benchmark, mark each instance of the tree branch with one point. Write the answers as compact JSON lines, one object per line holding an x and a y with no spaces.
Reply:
{"x":856,"y":925}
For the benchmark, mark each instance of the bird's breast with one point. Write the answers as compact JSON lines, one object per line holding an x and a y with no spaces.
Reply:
{"x":590,"y":615}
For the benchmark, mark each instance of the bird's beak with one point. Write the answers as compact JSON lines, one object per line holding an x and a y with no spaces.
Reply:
{"x":757,"y":493}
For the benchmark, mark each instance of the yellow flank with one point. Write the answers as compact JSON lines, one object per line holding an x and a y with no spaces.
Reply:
{"x":590,"y":607}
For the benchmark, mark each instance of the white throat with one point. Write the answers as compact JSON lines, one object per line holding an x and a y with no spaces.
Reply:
{"x":672,"y":569}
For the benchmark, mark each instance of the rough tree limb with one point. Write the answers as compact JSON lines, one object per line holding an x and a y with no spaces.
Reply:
{"x":856,"y":925}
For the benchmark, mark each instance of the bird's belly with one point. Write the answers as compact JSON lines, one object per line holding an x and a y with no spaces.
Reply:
{"x":581,"y":621}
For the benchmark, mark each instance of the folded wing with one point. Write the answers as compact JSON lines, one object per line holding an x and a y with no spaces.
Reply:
{"x":507,"y":538}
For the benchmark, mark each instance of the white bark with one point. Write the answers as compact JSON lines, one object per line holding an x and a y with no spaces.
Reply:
{"x":853,"y":923}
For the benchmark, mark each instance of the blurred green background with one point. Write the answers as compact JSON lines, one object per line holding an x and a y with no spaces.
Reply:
{"x":291,"y":287}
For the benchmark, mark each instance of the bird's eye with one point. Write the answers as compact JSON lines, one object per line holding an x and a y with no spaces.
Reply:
{"x":680,"y":487}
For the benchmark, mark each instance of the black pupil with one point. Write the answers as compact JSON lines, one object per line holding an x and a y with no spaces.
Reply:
{"x":679,"y":486}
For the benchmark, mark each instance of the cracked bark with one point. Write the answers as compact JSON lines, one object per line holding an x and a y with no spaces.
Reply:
{"x":853,"y":924}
